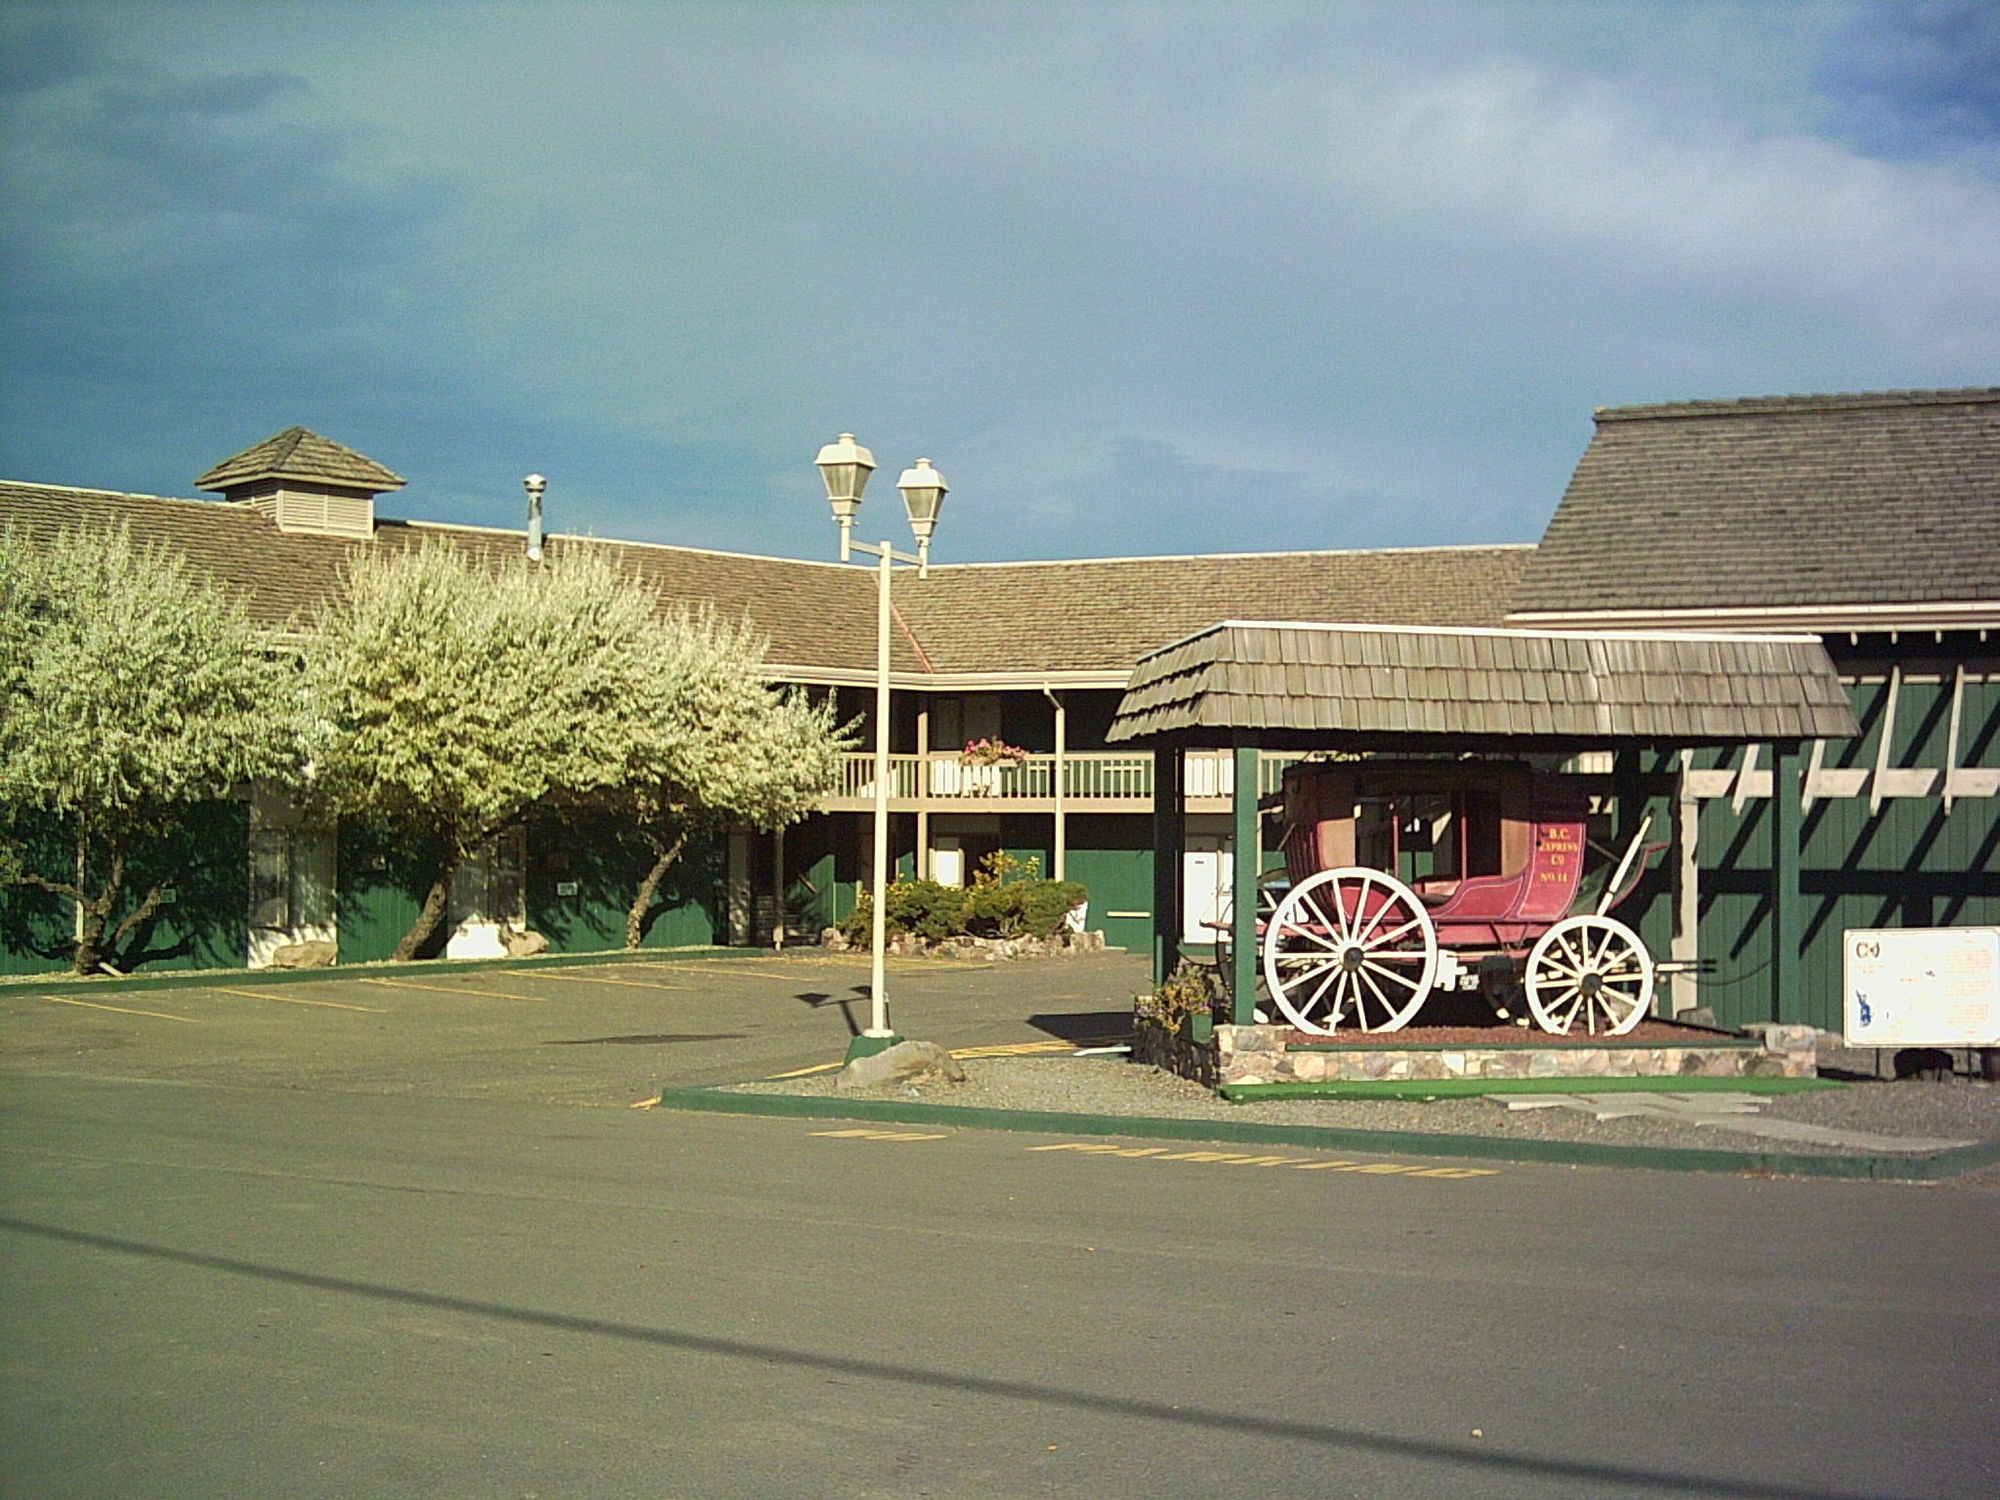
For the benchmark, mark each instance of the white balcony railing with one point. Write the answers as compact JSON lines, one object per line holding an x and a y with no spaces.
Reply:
{"x":1093,"y":776}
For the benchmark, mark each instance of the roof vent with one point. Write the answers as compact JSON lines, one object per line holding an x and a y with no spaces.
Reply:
{"x":305,"y":483}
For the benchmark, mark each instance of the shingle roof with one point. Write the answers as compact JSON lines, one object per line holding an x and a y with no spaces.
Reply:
{"x":299,"y":454}
{"x":1335,"y":685}
{"x":1815,"y":509}
{"x":1010,"y":618}
{"x":1098,"y":614}
{"x":818,"y":615}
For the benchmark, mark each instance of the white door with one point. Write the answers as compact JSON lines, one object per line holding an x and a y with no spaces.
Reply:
{"x":1207,"y":870}
{"x":947,"y":860}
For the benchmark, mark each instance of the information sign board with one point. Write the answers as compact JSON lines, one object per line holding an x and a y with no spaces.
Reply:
{"x":1922,"y":987}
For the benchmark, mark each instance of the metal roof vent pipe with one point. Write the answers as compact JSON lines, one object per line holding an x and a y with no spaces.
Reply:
{"x":535,"y":485}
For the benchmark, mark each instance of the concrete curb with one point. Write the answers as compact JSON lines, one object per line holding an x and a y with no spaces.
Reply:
{"x":180,"y":979}
{"x":1936,"y":1167}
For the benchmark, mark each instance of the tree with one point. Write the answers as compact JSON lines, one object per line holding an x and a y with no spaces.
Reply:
{"x":456,"y":698}
{"x":129,"y":693}
{"x":732,"y":749}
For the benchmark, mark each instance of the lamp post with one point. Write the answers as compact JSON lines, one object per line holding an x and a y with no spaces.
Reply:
{"x":846,"y":465}
{"x":535,"y":485}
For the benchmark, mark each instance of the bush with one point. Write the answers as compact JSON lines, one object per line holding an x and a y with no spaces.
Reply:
{"x":1021,"y":908}
{"x":1008,"y":898}
{"x":930,"y":910}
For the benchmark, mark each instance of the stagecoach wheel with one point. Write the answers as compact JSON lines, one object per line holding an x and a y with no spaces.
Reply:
{"x":1350,"y":947}
{"x":1592,"y":969}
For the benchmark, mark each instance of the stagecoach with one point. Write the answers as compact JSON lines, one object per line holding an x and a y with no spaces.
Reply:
{"x":1415,"y":877}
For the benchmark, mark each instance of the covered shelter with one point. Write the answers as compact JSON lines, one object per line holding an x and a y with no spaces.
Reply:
{"x":1299,"y":687}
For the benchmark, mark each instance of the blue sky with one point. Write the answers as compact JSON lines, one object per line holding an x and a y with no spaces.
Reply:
{"x":1138,"y":278}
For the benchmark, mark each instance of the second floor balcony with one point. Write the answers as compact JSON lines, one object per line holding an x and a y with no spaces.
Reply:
{"x":1092,"y":781}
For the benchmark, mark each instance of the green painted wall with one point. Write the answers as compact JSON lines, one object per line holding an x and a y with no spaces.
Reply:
{"x":1910,"y":864}
{"x":380,"y":880}
{"x":1112,"y":858}
{"x":584,"y":868}
{"x":205,"y":925}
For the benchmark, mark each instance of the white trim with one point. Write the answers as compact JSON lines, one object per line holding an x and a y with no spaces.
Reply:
{"x":1954,"y":614}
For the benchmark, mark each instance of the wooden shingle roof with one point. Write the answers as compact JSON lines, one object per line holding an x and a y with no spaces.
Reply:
{"x":1828,"y":512}
{"x":820,"y":617}
{"x":1103,"y":614}
{"x":300,"y":455}
{"x":972,"y":621}
{"x":1302,"y":685}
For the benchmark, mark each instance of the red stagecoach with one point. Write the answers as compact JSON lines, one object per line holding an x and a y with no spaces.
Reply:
{"x":1410,"y":876}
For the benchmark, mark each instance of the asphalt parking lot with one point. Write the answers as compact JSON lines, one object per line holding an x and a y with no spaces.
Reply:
{"x":570,"y":1031}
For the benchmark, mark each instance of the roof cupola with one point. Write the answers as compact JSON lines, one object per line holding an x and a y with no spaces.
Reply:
{"x":305,"y":483}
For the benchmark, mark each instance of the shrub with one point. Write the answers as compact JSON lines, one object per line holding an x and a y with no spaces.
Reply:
{"x":930,"y":910}
{"x":1191,"y":990}
{"x":1008,"y":898}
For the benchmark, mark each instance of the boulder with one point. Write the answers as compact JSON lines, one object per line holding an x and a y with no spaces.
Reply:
{"x":315,"y":954}
{"x":525,"y":944}
{"x":905,"y":1062}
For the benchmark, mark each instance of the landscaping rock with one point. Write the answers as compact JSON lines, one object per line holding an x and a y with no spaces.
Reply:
{"x":903,"y":1063}
{"x":317,"y":954}
{"x":525,"y":944}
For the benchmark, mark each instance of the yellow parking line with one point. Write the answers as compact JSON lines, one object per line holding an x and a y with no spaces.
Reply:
{"x":158,"y":1015}
{"x":635,"y":984}
{"x":220,"y":989}
{"x":725,"y":965}
{"x":453,"y":989}
{"x":808,"y":1072}
{"x":879,"y":1135}
{"x":1250,"y":1159}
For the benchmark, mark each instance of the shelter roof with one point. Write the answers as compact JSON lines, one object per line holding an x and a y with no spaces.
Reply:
{"x":1836,"y":512}
{"x":1309,"y":685}
{"x":299,"y":454}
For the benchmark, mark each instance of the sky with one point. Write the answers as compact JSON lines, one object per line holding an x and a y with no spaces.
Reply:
{"x":1139,"y":279}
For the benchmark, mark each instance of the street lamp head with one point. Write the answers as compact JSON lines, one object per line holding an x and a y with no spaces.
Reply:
{"x":923,"y":496}
{"x":535,"y":485}
{"x":845,"y":466}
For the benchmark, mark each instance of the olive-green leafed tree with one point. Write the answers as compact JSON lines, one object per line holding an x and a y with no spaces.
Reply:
{"x":130,"y":692}
{"x":732,"y":749}
{"x":455,"y":696}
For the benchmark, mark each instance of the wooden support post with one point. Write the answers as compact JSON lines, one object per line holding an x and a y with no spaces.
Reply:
{"x":1248,"y":865}
{"x":1687,"y":886}
{"x":1169,"y":835}
{"x":924,"y":789}
{"x":1786,"y":1000}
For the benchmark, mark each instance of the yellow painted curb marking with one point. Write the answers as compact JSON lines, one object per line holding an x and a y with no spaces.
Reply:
{"x":879,"y":1135}
{"x":454,"y":989}
{"x":220,"y":989}
{"x":158,"y":1015}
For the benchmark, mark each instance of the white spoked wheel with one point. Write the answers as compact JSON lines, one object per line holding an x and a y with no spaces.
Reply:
{"x":1350,"y":947}
{"x":1592,"y":969}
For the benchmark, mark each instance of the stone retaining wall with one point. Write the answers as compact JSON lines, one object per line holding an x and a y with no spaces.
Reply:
{"x":1260,"y":1054}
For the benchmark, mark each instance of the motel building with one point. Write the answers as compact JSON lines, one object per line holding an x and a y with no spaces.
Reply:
{"x":1869,"y":521}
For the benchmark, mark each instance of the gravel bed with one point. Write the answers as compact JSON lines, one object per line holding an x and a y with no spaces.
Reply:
{"x":1961,"y":1109}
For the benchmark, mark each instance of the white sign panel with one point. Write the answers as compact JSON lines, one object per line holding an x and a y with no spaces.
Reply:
{"x":1922,"y":987}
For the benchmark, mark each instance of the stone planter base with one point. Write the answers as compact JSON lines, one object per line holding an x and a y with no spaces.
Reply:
{"x":1272,"y":1054}
{"x":1064,"y":944}
{"x":1175,"y":1052}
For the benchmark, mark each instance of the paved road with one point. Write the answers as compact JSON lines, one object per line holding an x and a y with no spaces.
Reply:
{"x":374,"y":1284}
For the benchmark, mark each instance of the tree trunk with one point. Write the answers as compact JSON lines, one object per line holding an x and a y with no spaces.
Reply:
{"x":635,"y":918}
{"x":435,"y":906}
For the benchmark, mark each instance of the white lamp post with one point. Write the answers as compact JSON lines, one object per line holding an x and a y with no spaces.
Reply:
{"x":535,"y":486}
{"x":846,"y":465}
